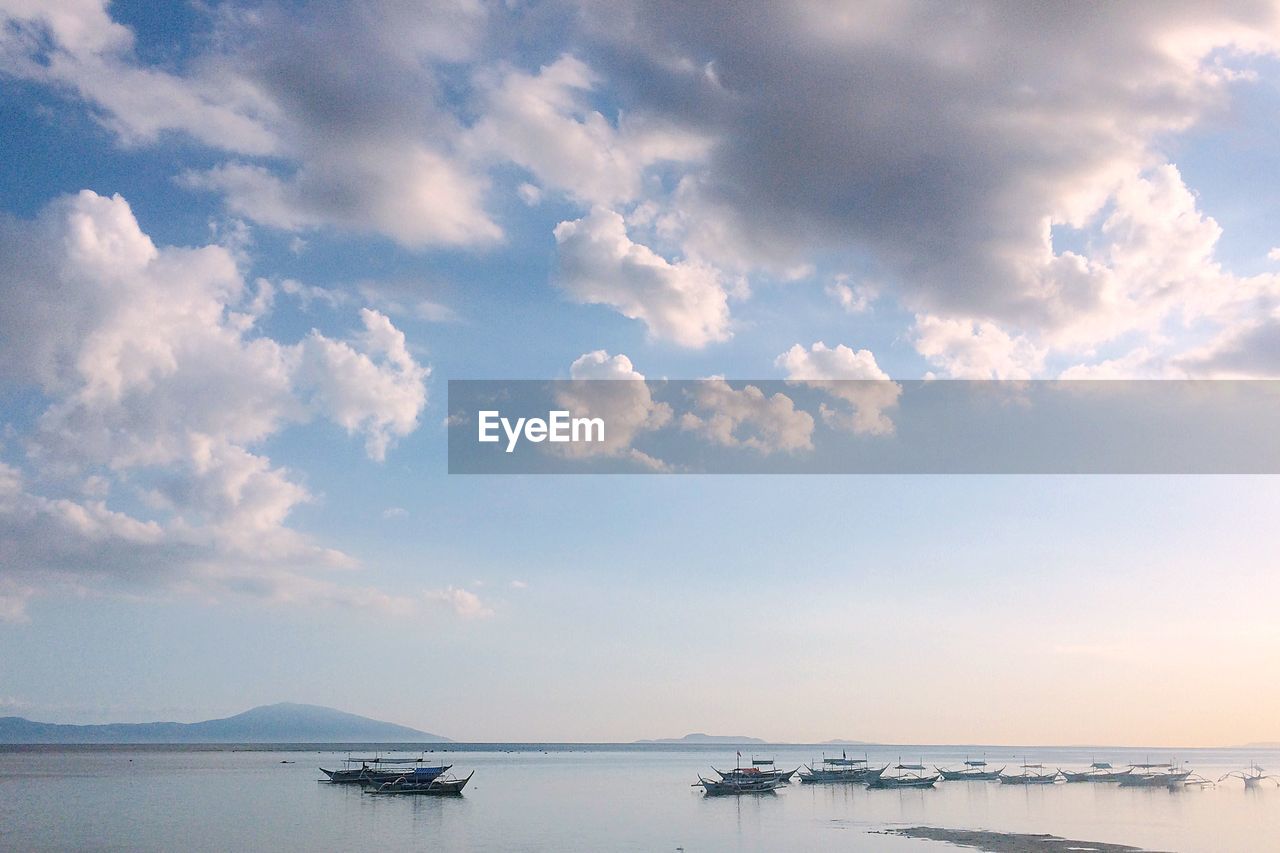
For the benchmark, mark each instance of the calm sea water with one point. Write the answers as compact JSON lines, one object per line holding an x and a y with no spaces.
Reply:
{"x":557,"y":797}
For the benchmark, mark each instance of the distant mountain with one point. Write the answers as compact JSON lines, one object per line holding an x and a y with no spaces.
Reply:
{"x":843,"y":742}
{"x":283,"y":723}
{"x":1266,"y":744}
{"x":699,"y":737}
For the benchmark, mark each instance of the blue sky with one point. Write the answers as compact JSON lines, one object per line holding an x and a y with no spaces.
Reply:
{"x":244,"y":247}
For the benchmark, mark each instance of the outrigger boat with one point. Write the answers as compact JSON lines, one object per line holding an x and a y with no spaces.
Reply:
{"x":740,"y":785}
{"x":973,"y":771}
{"x":406,"y":784}
{"x":842,"y":769}
{"x":1252,"y":777}
{"x":908,"y":776}
{"x":1099,"y":771}
{"x":761,"y":768}
{"x":1163,"y":775}
{"x":382,"y":770}
{"x":1028,"y":777}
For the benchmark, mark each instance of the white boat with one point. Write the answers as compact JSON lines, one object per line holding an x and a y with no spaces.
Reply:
{"x":1032,"y":774}
{"x":907,"y":776}
{"x":760,"y":768}
{"x":443,"y":786}
{"x":739,"y":785}
{"x":842,"y":769}
{"x":1253,"y":777}
{"x":1099,"y":771}
{"x":1161,"y":775}
{"x":378,"y":769}
{"x":973,"y":771}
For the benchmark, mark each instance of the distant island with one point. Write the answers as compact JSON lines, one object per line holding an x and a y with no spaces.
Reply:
{"x":699,"y":737}
{"x":843,"y":742}
{"x":285,"y":722}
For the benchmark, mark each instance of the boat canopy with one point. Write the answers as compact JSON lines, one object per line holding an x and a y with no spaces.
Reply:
{"x":975,"y":764}
{"x":909,"y":767}
{"x":1101,"y":765}
{"x":1150,"y":766}
{"x":760,"y":762}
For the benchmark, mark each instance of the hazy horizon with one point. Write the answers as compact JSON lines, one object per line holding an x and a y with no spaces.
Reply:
{"x":244,"y":246}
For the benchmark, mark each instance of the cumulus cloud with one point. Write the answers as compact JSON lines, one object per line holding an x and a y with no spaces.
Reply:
{"x":681,"y":301}
{"x":852,"y":377}
{"x":747,"y":418}
{"x":158,"y":386}
{"x":1019,"y":122}
{"x":967,"y":349}
{"x":624,"y":402}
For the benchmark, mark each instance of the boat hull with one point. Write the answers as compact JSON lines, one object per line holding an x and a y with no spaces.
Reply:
{"x":863,"y":776}
{"x":724,"y":787}
{"x":365,"y":776}
{"x":1088,"y":776}
{"x":1029,"y":779}
{"x":434,"y":788}
{"x":1154,"y":780}
{"x":884,"y":782}
{"x":969,"y":775}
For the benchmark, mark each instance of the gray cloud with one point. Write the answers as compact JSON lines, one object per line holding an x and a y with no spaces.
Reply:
{"x":940,"y":139}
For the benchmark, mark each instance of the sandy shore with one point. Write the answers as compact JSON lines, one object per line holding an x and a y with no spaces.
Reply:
{"x":1011,"y":842}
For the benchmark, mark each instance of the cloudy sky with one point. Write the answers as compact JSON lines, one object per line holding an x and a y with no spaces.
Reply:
{"x":244,"y":245}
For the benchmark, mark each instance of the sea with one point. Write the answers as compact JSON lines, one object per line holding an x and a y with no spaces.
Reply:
{"x":599,"y":797}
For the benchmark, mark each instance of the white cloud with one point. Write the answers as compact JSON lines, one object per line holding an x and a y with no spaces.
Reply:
{"x":852,"y":298}
{"x":464,"y":603}
{"x":76,"y":46}
{"x":747,"y":418}
{"x":395,"y":187}
{"x":625,"y":403}
{"x":966,"y":349}
{"x":541,"y":122}
{"x":381,"y":398}
{"x":831,"y":368}
{"x":157,"y":387}
{"x":365,"y":147}
{"x":597,"y":263}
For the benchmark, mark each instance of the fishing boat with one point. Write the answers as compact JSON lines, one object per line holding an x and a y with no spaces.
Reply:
{"x":907,"y":776}
{"x":842,"y":769}
{"x":740,"y":785}
{"x":973,"y":771}
{"x":760,"y":768}
{"x":1253,"y":777}
{"x":438,"y":787}
{"x":1162,"y":775}
{"x":1032,"y":774}
{"x":382,"y":770}
{"x":1099,"y":771}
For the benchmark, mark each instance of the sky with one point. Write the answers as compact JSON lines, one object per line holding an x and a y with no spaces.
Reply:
{"x":244,"y":246}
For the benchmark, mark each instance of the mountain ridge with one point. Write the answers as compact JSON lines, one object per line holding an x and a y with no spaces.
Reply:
{"x":699,"y":737}
{"x":283,"y":722}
